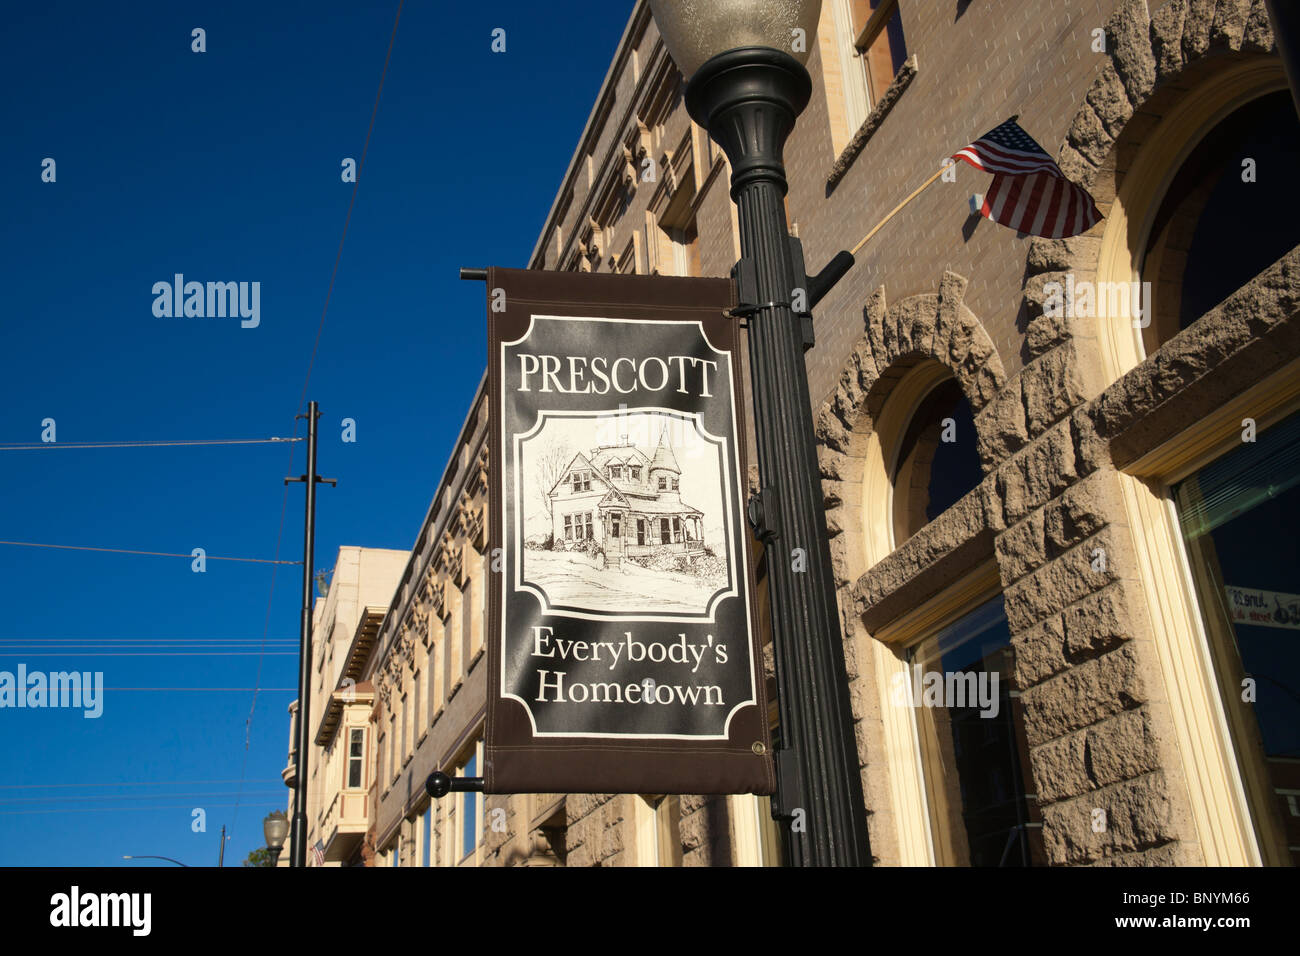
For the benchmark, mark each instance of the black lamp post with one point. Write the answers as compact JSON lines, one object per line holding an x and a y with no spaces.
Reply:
{"x":275,"y":828}
{"x":743,"y":60}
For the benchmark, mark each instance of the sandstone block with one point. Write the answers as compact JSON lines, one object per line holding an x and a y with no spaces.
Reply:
{"x":1088,"y":136}
{"x":1128,"y":37}
{"x":1061,"y":582}
{"x":1258,"y":35}
{"x":1167,"y":38}
{"x":1021,"y":549}
{"x":1098,"y":623}
{"x":1110,"y":100}
{"x":1039,"y":653}
{"x":1062,"y":255}
{"x":1138,"y":816}
{"x":1000,"y":426}
{"x":1084,"y":695}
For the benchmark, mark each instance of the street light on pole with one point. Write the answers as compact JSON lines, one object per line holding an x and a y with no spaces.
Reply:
{"x":746,"y":84}
{"x":147,"y":857}
{"x":275,"y":828}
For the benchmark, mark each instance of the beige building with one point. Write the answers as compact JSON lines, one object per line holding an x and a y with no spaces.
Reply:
{"x":1060,"y":476}
{"x":341,"y":766}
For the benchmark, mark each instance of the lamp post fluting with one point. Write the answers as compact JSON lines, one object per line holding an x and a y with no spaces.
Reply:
{"x":748,"y":98}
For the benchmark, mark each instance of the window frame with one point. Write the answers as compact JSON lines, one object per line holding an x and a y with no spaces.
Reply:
{"x":1225,"y":820}
{"x":357,"y":760}
{"x":418,"y":726}
{"x":848,"y":60}
{"x":1146,"y":183}
{"x":394,"y":750}
{"x":875,"y":25}
{"x":890,"y":646}
{"x":654,"y":819}
{"x":1228,"y":786}
{"x":757,"y":835}
{"x":466,"y":802}
{"x":883,"y":447}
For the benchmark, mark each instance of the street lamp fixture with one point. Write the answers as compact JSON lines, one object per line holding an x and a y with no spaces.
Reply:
{"x":275,"y":828}
{"x":697,"y":30}
{"x":744,"y":62}
{"x":148,"y":857}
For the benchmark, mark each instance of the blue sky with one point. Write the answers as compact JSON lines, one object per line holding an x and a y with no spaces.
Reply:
{"x":225,"y":166}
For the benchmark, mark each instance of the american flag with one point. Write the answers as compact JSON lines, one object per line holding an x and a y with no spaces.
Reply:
{"x":1029,"y":192}
{"x":318,"y":853}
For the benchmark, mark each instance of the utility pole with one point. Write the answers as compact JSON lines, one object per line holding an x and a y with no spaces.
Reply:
{"x":221,"y":854}
{"x":298,"y":845}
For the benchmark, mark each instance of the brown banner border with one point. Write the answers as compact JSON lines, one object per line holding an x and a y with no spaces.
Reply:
{"x":518,"y":762}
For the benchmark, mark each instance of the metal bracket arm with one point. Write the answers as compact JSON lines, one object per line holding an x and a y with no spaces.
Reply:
{"x":787,"y":771}
{"x":761,"y":512}
{"x":440,"y":784}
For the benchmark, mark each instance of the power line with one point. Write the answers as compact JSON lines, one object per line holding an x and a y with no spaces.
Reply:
{"x":152,"y":654}
{"x":266,"y":629}
{"x":138,"y":796}
{"x":134,"y":641}
{"x":127,"y":783}
{"x":311,"y":362}
{"x":31,"y":446}
{"x":141,"y":641}
{"x":152,"y":554}
{"x":179,"y":806}
{"x":290,"y":690}
{"x":356,"y":184}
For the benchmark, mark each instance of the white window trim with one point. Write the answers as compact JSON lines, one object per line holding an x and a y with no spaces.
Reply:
{"x":347,"y":768}
{"x":645,"y":822}
{"x":1222,"y":815}
{"x":853,"y":68}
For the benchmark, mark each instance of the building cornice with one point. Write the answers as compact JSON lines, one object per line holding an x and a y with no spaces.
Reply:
{"x":596,"y":122}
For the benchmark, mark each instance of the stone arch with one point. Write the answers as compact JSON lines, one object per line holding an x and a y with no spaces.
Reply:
{"x":939,"y":332}
{"x":930,"y":326}
{"x":1150,"y":59}
{"x":1144,"y":78}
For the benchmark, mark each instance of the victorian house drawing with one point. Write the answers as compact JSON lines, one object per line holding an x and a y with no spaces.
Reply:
{"x":626,"y":501}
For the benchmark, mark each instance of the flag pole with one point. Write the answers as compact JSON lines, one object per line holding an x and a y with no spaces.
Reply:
{"x":916,"y":192}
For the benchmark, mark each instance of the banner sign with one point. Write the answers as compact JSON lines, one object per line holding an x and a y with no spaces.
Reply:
{"x":623,"y":646}
{"x":1264,"y":608}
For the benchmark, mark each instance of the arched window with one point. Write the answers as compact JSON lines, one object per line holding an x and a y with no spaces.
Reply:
{"x":1240,"y":521}
{"x":974,"y":753}
{"x":1229,"y":213}
{"x":1202,"y":206}
{"x":937,"y":462}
